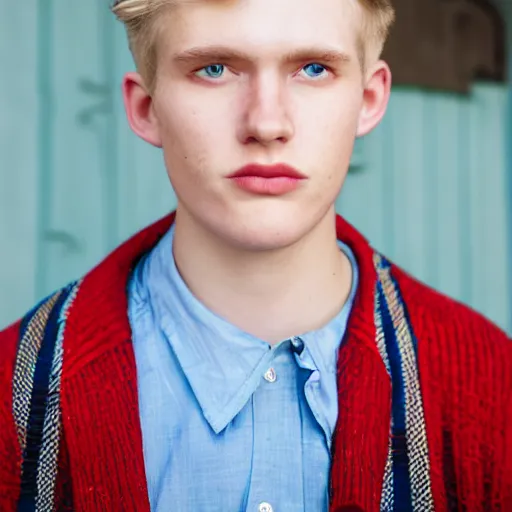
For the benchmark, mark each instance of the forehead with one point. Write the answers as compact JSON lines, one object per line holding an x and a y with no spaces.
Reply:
{"x":261,"y":25}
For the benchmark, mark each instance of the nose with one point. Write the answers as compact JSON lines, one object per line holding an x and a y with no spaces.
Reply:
{"x":266,"y":116}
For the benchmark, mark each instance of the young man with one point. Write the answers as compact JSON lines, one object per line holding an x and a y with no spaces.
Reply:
{"x":252,"y":351}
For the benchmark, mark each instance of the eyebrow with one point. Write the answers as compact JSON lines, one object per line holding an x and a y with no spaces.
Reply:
{"x":222,"y":54}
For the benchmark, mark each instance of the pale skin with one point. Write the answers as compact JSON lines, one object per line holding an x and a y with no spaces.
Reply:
{"x":268,"y":81}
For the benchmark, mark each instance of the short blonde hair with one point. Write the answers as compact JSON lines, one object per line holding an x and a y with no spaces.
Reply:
{"x":138,"y":17}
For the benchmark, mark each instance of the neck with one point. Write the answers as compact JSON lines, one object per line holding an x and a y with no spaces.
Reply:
{"x":272,"y":295}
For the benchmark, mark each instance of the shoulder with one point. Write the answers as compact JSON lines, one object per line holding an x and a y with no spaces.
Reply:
{"x":10,"y":447}
{"x":21,"y":343}
{"x":443,"y":314}
{"x":453,"y":336}
{"x":465,"y":371}
{"x":30,"y":357}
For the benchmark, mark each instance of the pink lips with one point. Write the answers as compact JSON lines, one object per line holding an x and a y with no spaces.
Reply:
{"x":273,"y":180}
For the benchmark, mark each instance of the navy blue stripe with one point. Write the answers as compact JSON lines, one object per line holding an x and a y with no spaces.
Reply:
{"x":409,"y":325}
{"x":38,"y":405}
{"x":387,"y":265}
{"x":401,"y":479}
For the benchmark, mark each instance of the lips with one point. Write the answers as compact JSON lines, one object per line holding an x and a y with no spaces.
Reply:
{"x":268,"y":172}
{"x":268,"y":180}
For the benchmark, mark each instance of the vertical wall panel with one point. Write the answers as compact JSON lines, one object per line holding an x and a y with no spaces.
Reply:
{"x":505,"y":7}
{"x":78,"y":191}
{"x":18,"y":157}
{"x":488,"y":202}
{"x":411,"y":175}
{"x":447,"y":228}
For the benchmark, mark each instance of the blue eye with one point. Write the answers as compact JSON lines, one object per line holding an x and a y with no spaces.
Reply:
{"x":314,"y":70}
{"x":212,"y":71}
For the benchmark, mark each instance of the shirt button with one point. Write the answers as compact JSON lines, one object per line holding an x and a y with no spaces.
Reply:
{"x":270,"y":376}
{"x":265,"y":507}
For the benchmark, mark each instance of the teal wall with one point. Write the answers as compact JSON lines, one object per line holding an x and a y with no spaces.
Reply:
{"x":505,"y":7}
{"x":430,"y":189}
{"x":432,"y":193}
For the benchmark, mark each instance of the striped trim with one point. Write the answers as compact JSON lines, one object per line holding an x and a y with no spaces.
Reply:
{"x":407,"y":485}
{"x":399,"y":447}
{"x":37,"y":400}
{"x":28,"y":349}
{"x":48,"y":460}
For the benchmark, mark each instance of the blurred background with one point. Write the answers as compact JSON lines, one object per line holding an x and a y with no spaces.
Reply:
{"x":431,"y":187}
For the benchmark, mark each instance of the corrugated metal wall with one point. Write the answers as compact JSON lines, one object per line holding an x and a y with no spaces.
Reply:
{"x":432,"y":193}
{"x":74,"y":181}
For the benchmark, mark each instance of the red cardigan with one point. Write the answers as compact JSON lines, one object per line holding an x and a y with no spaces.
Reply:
{"x":465,"y":367}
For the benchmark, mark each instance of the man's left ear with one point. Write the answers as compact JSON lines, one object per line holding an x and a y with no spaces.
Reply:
{"x":375,"y":99}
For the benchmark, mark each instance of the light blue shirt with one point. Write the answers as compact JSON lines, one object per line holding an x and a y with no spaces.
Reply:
{"x":229,"y":423}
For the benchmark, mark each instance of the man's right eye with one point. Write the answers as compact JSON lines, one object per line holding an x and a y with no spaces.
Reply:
{"x":211,"y":71}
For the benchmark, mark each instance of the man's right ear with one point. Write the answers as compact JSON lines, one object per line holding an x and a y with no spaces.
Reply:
{"x":139,"y":109}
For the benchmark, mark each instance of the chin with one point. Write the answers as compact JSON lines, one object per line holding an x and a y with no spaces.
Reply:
{"x":264,"y":241}
{"x":266,"y":232}
{"x":259,"y":226}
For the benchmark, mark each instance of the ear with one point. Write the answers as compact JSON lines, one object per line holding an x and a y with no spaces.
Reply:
{"x":138,"y":104}
{"x":375,"y":98}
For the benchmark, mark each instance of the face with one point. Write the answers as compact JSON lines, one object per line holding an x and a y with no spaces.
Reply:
{"x":258,"y":81}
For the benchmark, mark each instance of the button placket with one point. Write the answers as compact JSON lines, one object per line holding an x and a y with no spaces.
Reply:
{"x":271,"y":453}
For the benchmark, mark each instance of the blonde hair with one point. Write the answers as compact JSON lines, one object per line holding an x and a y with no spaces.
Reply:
{"x":138,"y":17}
{"x":379,"y":18}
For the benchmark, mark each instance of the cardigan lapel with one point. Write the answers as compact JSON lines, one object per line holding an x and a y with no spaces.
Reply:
{"x":103,"y":436}
{"x":100,"y":411}
{"x":360,"y":444}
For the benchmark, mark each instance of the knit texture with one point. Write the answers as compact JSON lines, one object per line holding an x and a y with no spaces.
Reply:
{"x":464,"y":372}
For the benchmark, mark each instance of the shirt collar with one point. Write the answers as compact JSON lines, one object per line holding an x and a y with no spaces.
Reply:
{"x":223,"y":364}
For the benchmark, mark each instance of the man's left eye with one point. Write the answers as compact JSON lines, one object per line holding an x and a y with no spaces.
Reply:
{"x":314,"y":70}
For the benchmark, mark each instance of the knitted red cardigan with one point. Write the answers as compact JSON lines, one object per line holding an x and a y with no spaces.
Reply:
{"x":465,"y":367}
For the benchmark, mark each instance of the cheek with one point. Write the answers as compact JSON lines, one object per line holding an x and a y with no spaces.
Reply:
{"x":179,"y":126}
{"x":342,"y":133}
{"x":335,"y":116}
{"x":334,"y":141}
{"x":345,"y":118}
{"x":193,"y":130}
{"x":182,"y":141}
